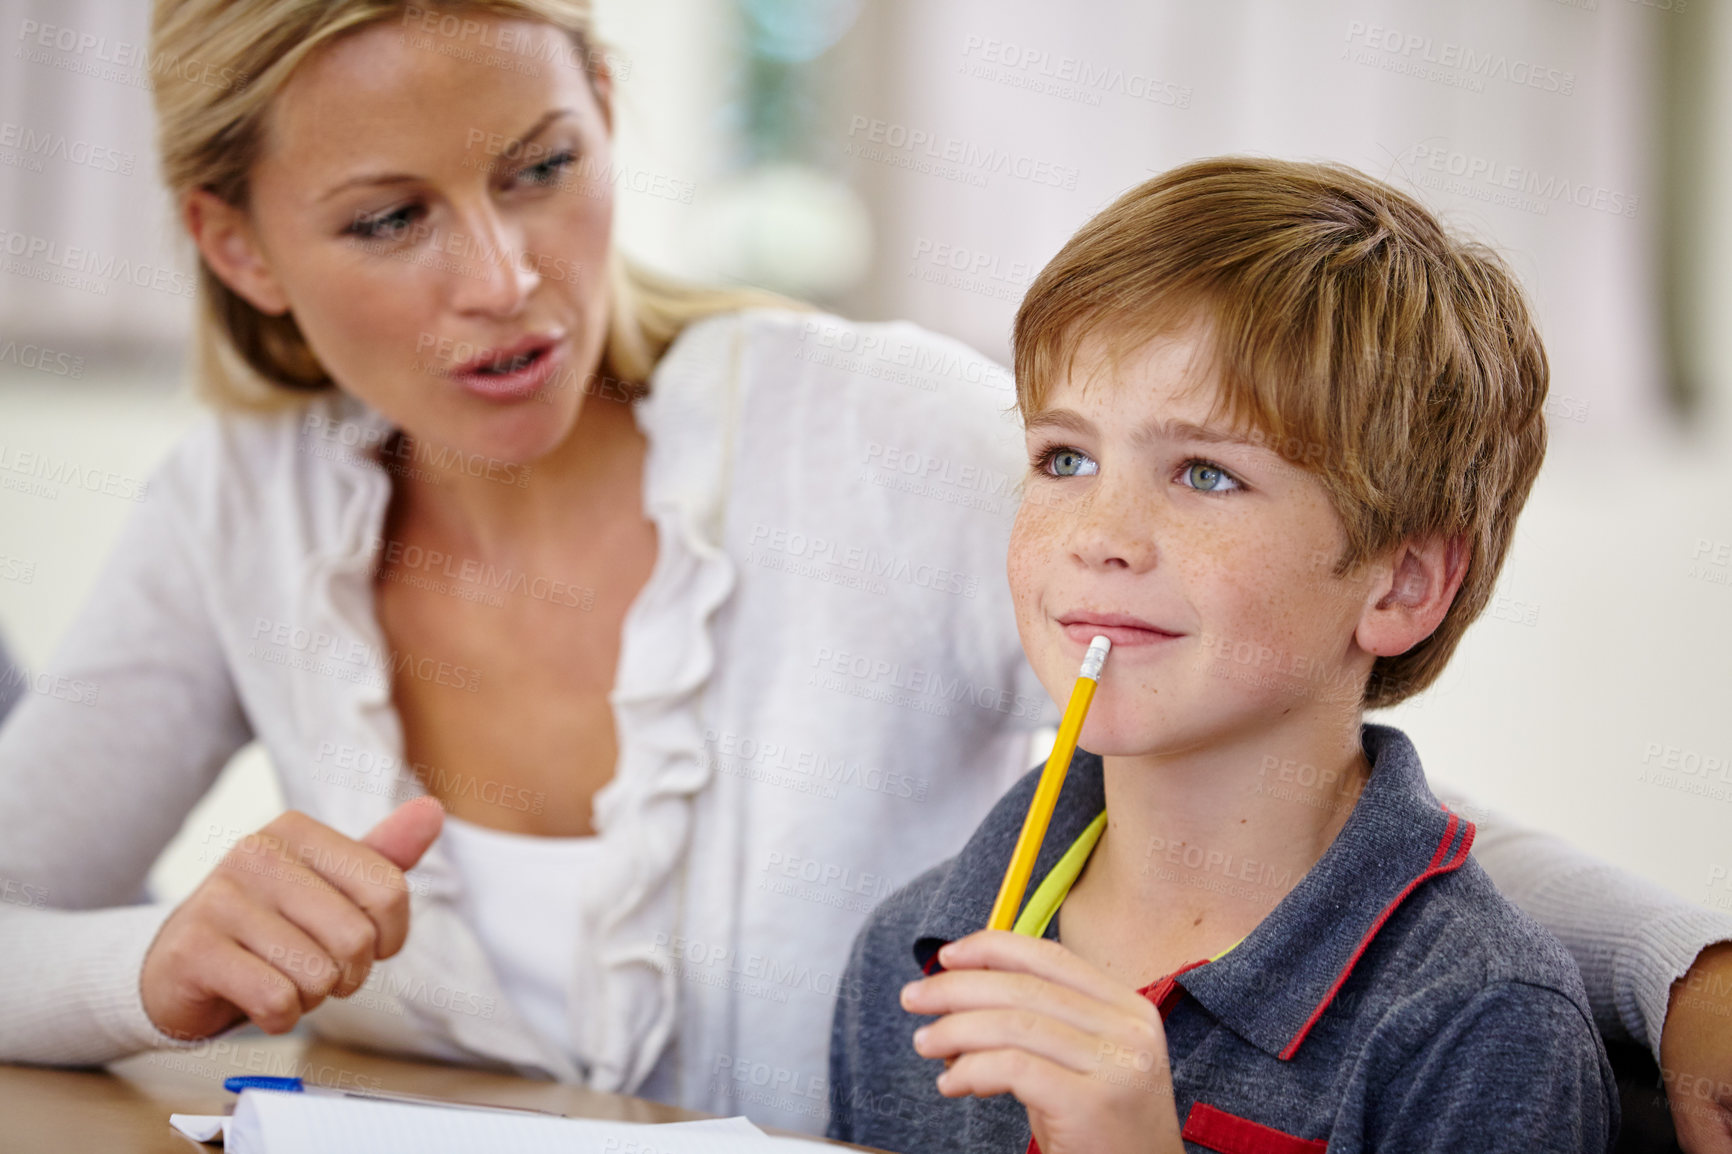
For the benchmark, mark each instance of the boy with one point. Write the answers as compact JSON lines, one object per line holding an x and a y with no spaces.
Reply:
{"x":1280,"y":426}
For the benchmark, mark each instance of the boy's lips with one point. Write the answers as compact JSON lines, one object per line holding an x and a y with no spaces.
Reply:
{"x":1119,"y":628}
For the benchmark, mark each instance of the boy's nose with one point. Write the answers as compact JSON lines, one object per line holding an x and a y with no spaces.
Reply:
{"x":1114,"y":527}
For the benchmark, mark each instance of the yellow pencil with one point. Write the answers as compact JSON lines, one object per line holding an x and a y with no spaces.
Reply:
{"x":1046,"y":793}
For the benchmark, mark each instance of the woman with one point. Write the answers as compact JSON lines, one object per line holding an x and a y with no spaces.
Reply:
{"x":691,"y":615}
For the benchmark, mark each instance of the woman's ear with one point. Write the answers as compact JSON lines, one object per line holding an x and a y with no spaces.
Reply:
{"x":1409,"y":603}
{"x":226,"y":240}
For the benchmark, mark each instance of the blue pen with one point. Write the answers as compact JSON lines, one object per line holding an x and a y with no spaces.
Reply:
{"x":295,"y":1086}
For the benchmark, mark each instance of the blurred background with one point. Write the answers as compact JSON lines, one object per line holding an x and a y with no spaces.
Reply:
{"x":922,"y":159}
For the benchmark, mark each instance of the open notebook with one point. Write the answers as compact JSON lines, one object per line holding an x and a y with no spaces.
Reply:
{"x":273,"y":1122}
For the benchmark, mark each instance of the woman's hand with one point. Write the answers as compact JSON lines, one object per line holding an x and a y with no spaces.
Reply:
{"x":1696,"y":1053}
{"x":291,"y":915}
{"x":1085,"y":1055}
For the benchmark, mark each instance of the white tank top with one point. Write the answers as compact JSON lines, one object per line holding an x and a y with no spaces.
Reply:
{"x":531,"y":902}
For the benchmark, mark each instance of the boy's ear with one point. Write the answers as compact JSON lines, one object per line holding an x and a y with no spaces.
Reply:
{"x":1409,"y":603}
{"x":226,"y":240}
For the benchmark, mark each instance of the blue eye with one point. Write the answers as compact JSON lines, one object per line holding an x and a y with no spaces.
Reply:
{"x":385,"y":226}
{"x":1060,"y":461}
{"x":1207,"y":478}
{"x":548,"y":171}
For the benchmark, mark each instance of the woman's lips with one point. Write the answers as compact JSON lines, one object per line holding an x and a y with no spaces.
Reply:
{"x":1082,"y":631}
{"x":539,"y":361}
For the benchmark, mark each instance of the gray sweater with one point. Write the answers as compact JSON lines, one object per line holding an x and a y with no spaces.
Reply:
{"x":1393,"y":1001}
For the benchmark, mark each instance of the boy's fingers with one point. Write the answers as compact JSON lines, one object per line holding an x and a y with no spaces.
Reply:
{"x":957,"y":991}
{"x":1002,"y":950}
{"x":1040,"y":1085}
{"x":975,"y":1031}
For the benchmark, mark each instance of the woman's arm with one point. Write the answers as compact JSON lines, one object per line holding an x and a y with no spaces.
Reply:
{"x":1648,"y":958}
{"x":1631,"y":938}
{"x":99,"y":765}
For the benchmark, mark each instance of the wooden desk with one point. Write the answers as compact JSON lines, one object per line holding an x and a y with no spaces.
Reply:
{"x":125,"y":1109}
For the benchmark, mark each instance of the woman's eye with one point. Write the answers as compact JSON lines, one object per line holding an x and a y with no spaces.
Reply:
{"x":1066,"y":462}
{"x":548,"y":171}
{"x":385,"y":226}
{"x":1207,"y":478}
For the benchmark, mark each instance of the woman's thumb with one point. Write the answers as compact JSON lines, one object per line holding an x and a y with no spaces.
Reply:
{"x":406,"y":833}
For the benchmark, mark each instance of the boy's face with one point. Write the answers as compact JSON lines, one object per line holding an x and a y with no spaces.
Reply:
{"x":1208,"y":560}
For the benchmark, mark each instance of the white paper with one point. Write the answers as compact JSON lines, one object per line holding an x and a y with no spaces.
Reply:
{"x":199,"y":1127}
{"x":277,"y":1122}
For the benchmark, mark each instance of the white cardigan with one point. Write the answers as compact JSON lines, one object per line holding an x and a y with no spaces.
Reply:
{"x":820,"y":693}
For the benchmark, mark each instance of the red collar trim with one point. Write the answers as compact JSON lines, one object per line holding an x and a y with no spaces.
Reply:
{"x":1442,"y":862}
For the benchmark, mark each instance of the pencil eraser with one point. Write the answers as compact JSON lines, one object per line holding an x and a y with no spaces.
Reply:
{"x":1095,"y":658}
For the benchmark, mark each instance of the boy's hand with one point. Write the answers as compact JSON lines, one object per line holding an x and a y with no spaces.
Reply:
{"x":1696,"y":1053}
{"x":1085,"y":1055}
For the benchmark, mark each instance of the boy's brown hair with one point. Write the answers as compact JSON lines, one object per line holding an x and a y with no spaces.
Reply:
{"x":1353,"y":335}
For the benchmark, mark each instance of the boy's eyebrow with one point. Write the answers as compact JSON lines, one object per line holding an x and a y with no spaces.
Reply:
{"x":1185,"y":431}
{"x":1153,"y":431}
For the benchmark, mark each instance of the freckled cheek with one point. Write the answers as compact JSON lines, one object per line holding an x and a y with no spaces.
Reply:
{"x":1034,"y":546}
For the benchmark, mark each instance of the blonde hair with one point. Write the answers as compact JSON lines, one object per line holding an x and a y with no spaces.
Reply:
{"x":1352,"y":334}
{"x":231,"y":58}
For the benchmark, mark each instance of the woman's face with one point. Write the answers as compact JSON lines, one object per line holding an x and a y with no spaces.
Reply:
{"x":427,"y":206}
